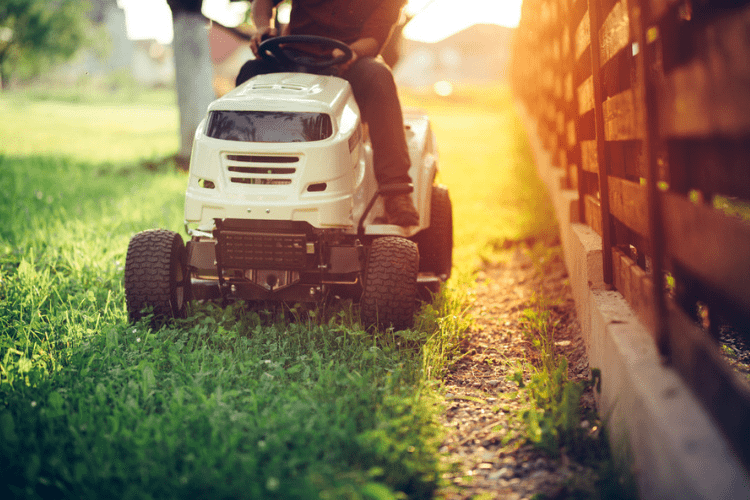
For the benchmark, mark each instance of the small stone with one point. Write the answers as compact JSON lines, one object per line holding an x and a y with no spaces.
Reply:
{"x":505,"y":473}
{"x":538,"y":474}
{"x":495,"y":475}
{"x":540,"y":464}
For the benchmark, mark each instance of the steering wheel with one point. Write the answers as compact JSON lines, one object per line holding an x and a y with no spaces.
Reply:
{"x":271,"y":49}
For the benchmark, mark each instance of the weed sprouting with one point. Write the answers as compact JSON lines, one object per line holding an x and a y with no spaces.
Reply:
{"x":551,"y":416}
{"x":446,"y":319}
{"x":538,"y":328}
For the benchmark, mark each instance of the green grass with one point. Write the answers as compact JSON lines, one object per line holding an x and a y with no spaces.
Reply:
{"x":486,"y":162}
{"x":101,"y":132}
{"x":551,"y":414}
{"x":230,"y":403}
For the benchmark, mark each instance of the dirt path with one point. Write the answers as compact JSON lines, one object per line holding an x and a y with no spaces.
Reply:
{"x":477,"y":415}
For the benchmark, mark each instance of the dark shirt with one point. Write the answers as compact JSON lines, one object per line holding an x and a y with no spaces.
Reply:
{"x":345,"y":20}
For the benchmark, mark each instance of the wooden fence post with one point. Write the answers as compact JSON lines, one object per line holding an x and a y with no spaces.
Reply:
{"x":601,"y":144}
{"x":646,"y":99}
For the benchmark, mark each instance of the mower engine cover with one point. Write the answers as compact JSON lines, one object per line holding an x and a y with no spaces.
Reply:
{"x":283,"y":146}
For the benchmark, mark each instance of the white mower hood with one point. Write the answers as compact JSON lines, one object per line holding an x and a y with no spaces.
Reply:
{"x":298,"y":92}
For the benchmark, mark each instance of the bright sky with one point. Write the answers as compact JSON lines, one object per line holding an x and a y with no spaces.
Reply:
{"x":435,"y":20}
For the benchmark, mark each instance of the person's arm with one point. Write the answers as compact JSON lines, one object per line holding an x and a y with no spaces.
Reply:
{"x":379,"y":25}
{"x":375,"y":32}
{"x":364,"y":47}
{"x":263,"y":15}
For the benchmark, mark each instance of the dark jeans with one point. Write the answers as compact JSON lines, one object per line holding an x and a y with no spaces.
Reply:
{"x":375,"y":92}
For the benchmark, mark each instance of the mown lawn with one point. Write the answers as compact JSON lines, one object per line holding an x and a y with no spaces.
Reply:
{"x":229,"y":403}
{"x":486,"y":162}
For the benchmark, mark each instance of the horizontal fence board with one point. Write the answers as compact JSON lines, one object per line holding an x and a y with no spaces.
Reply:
{"x":548,"y":79}
{"x":659,"y":7}
{"x":710,"y":95}
{"x":569,"y":95}
{"x":559,"y":86}
{"x":614,"y":35}
{"x":713,"y":247}
{"x":586,"y":95}
{"x":571,"y":133}
{"x":560,"y":122}
{"x":635,"y":285}
{"x":622,"y":121}
{"x":593,"y":213}
{"x":589,"y":161}
{"x":719,"y":389}
{"x":628,"y":202}
{"x":716,"y":165}
{"x":583,"y":35}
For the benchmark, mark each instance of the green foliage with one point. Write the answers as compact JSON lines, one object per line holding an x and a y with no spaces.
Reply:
{"x":35,"y":33}
{"x":446,"y":318}
{"x":552,"y":418}
{"x":538,"y":329}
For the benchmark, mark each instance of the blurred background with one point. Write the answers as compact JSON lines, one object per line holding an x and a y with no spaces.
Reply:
{"x":118,"y":44}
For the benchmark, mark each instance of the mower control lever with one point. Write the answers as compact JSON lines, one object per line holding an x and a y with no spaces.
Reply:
{"x":384,"y":190}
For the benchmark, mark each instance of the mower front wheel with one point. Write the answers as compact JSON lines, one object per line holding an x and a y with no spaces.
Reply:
{"x":157,"y":276}
{"x":390,"y":285}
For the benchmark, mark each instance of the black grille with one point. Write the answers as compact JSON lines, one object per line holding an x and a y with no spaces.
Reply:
{"x":261,"y":181}
{"x":253,"y":250}
{"x":262,"y":170}
{"x":263,"y":159}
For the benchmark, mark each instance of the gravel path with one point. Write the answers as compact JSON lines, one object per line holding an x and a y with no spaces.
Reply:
{"x":478,"y":415}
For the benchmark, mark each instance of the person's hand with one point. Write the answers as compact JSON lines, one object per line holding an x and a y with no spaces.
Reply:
{"x":346,"y":65}
{"x":260,"y":36}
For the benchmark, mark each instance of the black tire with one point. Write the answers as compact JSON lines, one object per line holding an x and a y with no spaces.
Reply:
{"x":436,"y":242}
{"x":156,"y":275}
{"x":390,"y":287}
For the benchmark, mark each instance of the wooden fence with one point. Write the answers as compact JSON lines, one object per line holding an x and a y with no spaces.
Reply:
{"x":645,"y":105}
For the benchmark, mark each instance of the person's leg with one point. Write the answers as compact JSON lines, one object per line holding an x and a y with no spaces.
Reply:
{"x":254,"y":67}
{"x":375,"y":91}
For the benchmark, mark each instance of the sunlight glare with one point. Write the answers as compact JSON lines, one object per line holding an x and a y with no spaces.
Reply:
{"x":438,"y":19}
{"x":443,"y":88}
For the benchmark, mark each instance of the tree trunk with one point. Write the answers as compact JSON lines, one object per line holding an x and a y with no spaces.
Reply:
{"x":193,"y":74}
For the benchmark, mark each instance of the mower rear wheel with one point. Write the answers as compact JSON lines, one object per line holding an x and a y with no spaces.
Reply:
{"x":390,"y":285}
{"x":156,"y":275}
{"x":436,"y":242}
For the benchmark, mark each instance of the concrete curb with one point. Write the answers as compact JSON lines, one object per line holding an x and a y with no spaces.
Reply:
{"x":652,"y":415}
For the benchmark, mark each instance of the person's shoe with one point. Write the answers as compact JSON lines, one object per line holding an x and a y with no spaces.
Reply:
{"x":401,"y":211}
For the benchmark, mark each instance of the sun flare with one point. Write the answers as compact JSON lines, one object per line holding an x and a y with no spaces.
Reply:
{"x":438,"y":19}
